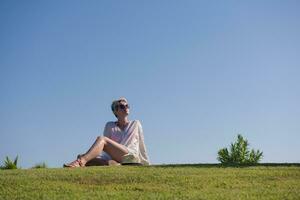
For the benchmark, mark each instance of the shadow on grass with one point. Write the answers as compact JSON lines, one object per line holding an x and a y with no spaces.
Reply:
{"x":214,"y":165}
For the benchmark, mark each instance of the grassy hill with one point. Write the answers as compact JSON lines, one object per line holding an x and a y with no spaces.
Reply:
{"x":153,"y":182}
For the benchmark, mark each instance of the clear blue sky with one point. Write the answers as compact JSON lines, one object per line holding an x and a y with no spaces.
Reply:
{"x":196,"y":74}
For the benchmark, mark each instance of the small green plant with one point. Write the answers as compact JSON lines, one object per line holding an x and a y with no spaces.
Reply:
{"x":9,"y":164}
{"x":239,"y":153}
{"x":40,"y":165}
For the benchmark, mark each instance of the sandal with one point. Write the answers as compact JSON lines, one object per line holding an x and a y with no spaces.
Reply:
{"x":75,"y":163}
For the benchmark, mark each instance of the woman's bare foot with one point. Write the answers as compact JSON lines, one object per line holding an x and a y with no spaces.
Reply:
{"x":113,"y":163}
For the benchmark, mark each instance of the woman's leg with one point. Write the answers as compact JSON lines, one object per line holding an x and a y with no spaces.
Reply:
{"x":96,"y":162}
{"x":100,"y":162}
{"x":114,"y":149}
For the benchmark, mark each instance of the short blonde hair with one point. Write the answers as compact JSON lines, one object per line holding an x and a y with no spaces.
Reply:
{"x":116,"y":103}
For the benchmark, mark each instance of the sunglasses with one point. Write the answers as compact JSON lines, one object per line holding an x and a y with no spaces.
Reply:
{"x":123,"y":107}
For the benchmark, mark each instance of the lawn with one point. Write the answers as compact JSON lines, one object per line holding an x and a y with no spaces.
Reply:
{"x":153,"y":182}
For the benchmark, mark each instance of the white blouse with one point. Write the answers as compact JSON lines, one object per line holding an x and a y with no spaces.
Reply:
{"x":131,"y":137}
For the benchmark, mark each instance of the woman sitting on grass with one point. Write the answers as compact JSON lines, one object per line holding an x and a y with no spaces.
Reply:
{"x":122,"y":142}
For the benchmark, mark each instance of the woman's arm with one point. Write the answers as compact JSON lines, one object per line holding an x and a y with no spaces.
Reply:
{"x":142,"y":147}
{"x":106,"y":131}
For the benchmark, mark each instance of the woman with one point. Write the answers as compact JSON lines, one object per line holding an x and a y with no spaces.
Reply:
{"x":122,"y":142}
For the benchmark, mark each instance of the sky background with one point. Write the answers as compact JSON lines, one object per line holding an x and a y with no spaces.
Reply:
{"x":196,"y":73}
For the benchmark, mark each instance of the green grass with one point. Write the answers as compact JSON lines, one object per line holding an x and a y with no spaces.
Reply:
{"x":153,"y":182}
